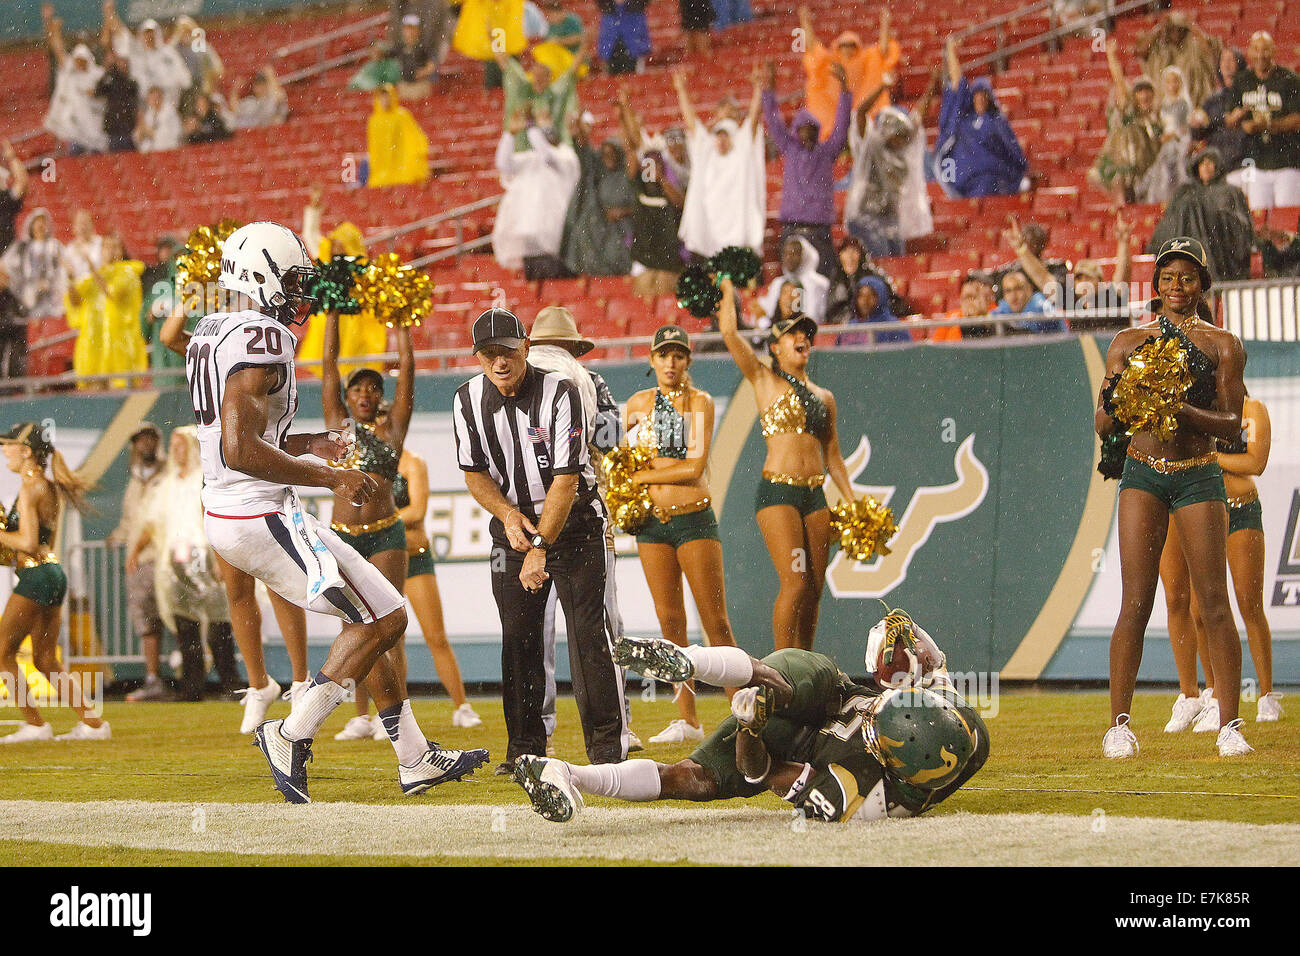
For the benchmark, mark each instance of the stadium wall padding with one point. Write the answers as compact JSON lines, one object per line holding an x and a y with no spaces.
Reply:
{"x":1006,"y":551}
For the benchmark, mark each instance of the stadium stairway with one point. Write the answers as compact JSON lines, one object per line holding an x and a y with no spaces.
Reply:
{"x":1055,"y":101}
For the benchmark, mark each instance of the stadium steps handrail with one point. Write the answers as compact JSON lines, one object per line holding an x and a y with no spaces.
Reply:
{"x":1050,"y":37}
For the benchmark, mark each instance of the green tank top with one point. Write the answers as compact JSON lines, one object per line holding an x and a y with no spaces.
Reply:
{"x":373,"y":455}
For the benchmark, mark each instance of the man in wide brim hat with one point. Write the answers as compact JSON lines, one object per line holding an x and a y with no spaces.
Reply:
{"x":555,"y":325}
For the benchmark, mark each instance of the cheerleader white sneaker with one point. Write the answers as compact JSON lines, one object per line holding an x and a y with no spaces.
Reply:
{"x":1269,"y":708}
{"x":633,"y":742}
{"x":1120,"y":741}
{"x":257,"y":701}
{"x":678,"y":732}
{"x":1208,"y":721}
{"x":1231,"y":743}
{"x":358,"y":728}
{"x":1186,"y":710}
{"x":29,"y":733}
{"x":464,"y":716}
{"x":83,"y":731}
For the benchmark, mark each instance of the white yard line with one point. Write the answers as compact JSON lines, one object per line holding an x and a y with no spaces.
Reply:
{"x":741,"y":836}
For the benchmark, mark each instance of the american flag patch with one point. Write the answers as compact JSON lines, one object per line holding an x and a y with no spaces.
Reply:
{"x":575,"y":433}
{"x":538,"y":435}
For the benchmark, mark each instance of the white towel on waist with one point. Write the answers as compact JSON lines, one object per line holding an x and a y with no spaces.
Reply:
{"x":322,"y":569}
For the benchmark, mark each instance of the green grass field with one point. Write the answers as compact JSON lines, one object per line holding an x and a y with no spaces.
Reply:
{"x":178,"y":786}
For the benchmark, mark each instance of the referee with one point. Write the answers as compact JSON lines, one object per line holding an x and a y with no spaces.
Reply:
{"x":521,"y":442}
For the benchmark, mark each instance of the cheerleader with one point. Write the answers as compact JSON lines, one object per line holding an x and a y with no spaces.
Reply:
{"x":798,"y":423}
{"x":36,"y":605}
{"x":677,"y":420}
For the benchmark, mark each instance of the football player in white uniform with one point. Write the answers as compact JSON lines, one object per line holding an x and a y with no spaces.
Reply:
{"x":239,"y":365}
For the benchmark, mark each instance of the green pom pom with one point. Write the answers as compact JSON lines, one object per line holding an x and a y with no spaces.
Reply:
{"x":738,"y":263}
{"x":335,"y":284}
{"x":697,"y":293}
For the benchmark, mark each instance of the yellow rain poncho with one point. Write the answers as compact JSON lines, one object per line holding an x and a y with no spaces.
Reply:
{"x":360,"y":334}
{"x":398,"y":148}
{"x":106,"y":314}
{"x":478,"y":20}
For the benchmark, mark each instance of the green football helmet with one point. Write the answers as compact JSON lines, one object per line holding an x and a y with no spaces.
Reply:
{"x":918,"y":736}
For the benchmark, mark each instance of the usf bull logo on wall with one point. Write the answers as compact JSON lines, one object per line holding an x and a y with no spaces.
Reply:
{"x":929,"y":506}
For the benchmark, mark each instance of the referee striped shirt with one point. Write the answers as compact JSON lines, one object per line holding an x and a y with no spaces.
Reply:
{"x":523,"y":441}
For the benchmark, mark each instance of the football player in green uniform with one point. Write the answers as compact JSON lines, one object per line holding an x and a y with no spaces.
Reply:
{"x":839,"y":750}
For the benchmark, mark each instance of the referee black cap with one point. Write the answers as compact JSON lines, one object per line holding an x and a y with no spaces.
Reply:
{"x":498,"y":327}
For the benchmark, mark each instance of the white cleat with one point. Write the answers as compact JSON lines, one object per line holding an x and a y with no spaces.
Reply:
{"x":1120,"y":741}
{"x":1186,"y":710}
{"x":549,"y":787}
{"x":29,"y":733}
{"x":257,"y":701}
{"x":678,"y":732}
{"x":438,"y":766}
{"x":464,"y":716}
{"x":1208,"y":721}
{"x":83,"y":731}
{"x":1269,"y":708}
{"x":358,"y":728}
{"x":295,"y":692}
{"x":1231,"y":743}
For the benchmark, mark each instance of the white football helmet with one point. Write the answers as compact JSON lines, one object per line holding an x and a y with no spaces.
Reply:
{"x":269,"y":263}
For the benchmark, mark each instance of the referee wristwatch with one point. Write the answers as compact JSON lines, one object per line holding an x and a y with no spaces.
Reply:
{"x":540,"y":542}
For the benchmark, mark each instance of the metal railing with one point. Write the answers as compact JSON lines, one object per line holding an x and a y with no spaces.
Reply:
{"x":321,"y":42}
{"x":1050,"y":38}
{"x":1260,"y":311}
{"x":456,"y":216}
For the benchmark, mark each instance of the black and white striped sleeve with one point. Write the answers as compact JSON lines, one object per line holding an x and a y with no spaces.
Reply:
{"x":469,"y":442}
{"x":570,"y":439}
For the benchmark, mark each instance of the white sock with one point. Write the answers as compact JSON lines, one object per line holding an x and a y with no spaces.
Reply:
{"x":630,"y":780}
{"x":404,"y":732}
{"x":721,"y":666}
{"x":318,"y":702}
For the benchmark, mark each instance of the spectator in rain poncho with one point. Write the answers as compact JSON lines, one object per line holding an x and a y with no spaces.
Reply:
{"x":539,"y":87}
{"x":397,"y":148}
{"x":538,"y":184}
{"x":152,"y":61}
{"x":104,"y":308}
{"x":359,"y":334}
{"x":1134,"y":131}
{"x":198,"y":54}
{"x":191,"y":597}
{"x":808,"y":161}
{"x":76,"y":115}
{"x":871,"y":304}
{"x":624,"y":36}
{"x":85,"y":253}
{"x":35,"y":264}
{"x":1208,"y":126}
{"x":266,"y":105}
{"x":598,"y":225}
{"x":1212,"y":210}
{"x":881,"y":173}
{"x":1167,"y":172}
{"x":159,"y":126}
{"x":799,"y":264}
{"x":978,"y":153}
{"x":726,"y":201}
{"x":1176,"y":41}
{"x":852,"y":263}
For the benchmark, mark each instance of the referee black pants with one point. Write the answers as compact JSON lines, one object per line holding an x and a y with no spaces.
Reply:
{"x":576,"y":565}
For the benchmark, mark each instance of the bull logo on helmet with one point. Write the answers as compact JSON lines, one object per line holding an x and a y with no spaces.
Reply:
{"x":930,"y":506}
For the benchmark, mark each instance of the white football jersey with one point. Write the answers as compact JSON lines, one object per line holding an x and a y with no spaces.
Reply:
{"x":222,"y":344}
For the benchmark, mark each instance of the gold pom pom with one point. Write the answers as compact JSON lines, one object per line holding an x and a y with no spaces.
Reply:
{"x":1152,"y":387}
{"x":864,"y":526}
{"x":629,"y":504}
{"x":200,"y":261}
{"x":395,"y":293}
